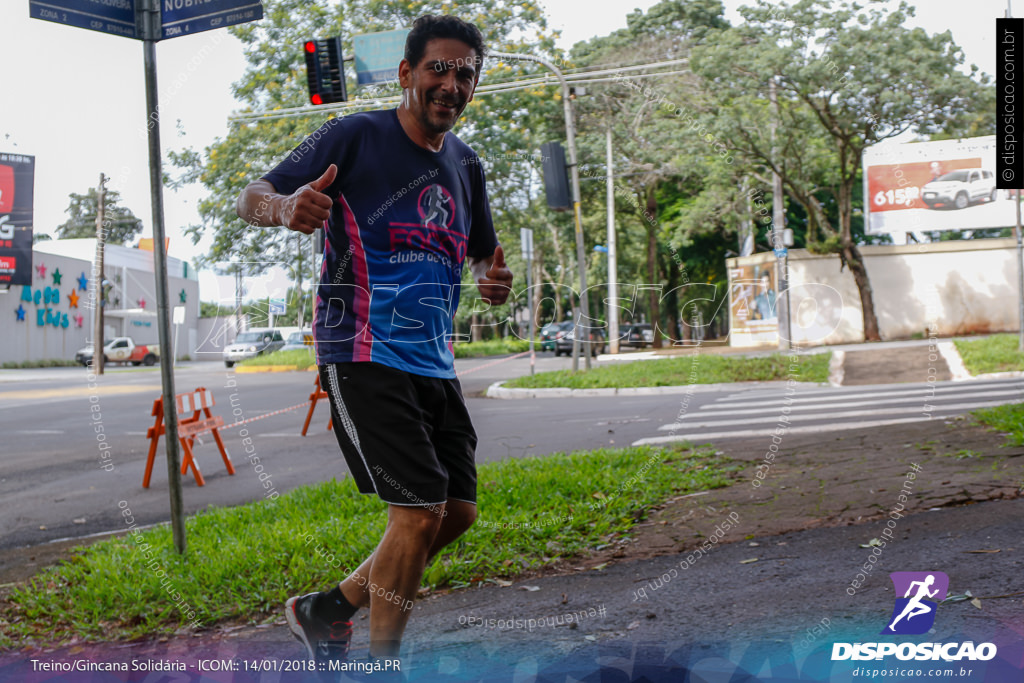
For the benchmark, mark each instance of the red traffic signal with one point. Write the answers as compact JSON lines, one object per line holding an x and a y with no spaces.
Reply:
{"x":325,"y":71}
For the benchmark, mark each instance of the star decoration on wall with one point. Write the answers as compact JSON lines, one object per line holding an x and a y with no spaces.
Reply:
{"x":73,"y":299}
{"x":57,"y":276}
{"x":83,"y":281}
{"x":41,"y":269}
{"x":20,"y":311}
{"x":142,"y":303}
{"x":79,"y":320}
{"x":182,"y":295}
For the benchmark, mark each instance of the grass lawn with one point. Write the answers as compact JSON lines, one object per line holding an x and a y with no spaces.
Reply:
{"x":997,"y":353}
{"x":698,"y":368}
{"x":1008,"y":418}
{"x":492,"y":347}
{"x":243,"y":562}
{"x":300,"y":358}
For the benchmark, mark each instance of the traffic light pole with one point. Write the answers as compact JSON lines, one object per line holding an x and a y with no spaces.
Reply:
{"x":152,"y":28}
{"x":570,"y":132}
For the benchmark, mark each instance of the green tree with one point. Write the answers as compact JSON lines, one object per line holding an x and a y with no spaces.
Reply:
{"x":275,"y":78}
{"x":122,"y":224}
{"x":845,"y":79}
{"x":654,"y":152}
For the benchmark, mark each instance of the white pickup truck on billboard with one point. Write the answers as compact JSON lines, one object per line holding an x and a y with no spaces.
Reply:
{"x":944,"y":185}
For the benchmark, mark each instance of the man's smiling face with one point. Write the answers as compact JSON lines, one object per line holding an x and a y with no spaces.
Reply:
{"x":441,"y":85}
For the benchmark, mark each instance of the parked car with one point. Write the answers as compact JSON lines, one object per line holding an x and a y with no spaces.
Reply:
{"x":960,"y":188}
{"x":122,"y":350}
{"x":596,"y":339}
{"x":299,"y":340}
{"x":254,"y":342}
{"x":636,"y":335}
{"x":552,"y":331}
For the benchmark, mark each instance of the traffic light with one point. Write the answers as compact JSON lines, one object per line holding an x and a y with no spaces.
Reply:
{"x":556,"y":179}
{"x":325,"y":70}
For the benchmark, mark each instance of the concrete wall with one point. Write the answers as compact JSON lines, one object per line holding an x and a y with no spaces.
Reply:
{"x":948,"y":288}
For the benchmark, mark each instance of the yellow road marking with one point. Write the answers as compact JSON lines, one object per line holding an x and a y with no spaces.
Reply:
{"x":106,"y":390}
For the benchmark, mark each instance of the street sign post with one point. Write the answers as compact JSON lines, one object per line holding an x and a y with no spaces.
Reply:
{"x":151,"y":21}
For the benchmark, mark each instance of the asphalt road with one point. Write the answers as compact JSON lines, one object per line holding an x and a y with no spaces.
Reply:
{"x":53,"y":483}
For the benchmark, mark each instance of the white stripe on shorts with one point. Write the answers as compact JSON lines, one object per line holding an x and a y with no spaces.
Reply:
{"x":346,"y":421}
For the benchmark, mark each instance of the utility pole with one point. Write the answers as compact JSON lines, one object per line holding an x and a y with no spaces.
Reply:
{"x":613,"y":266}
{"x":97,"y":313}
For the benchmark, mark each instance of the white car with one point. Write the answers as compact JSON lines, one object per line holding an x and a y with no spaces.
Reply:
{"x":960,"y":188}
{"x":252,"y":343}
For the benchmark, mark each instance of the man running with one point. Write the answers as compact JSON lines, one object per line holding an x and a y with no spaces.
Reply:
{"x":405,"y":205}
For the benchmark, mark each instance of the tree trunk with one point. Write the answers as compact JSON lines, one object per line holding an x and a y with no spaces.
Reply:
{"x":653,"y":292}
{"x":850,"y":255}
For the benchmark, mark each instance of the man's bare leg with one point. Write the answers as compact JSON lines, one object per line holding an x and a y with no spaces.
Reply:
{"x":412,"y":537}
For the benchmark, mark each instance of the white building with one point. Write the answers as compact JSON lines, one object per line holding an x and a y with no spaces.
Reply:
{"x":53,"y":317}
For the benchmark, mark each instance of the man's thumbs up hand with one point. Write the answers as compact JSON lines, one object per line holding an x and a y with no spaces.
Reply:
{"x":496,"y":283}
{"x":306,"y":209}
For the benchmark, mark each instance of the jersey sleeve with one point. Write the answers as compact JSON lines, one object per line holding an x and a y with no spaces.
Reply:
{"x":482,"y":237}
{"x":327,"y":145}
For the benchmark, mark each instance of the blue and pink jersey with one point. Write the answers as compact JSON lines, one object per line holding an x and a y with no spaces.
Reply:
{"x":403,"y":222}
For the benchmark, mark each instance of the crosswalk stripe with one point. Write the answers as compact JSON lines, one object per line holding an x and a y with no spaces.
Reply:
{"x":775,"y":417}
{"x":808,"y":403}
{"x":745,"y":433}
{"x":809,"y":394}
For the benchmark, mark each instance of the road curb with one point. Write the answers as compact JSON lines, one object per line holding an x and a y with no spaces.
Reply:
{"x":498,"y":391}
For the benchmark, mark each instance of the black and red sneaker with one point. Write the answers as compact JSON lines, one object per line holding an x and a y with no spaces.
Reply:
{"x":325,"y":641}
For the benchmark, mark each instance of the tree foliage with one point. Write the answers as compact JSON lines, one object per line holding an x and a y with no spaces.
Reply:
{"x":121,"y":224}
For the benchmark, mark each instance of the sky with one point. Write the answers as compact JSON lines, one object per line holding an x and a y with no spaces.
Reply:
{"x":75,"y":100}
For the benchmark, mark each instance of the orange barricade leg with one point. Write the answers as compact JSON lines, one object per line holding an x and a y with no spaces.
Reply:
{"x":318,"y":393}
{"x":154,"y":433}
{"x":220,"y":444}
{"x":189,"y":460}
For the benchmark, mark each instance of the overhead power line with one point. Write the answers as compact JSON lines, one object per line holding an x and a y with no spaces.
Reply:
{"x":579,"y":77}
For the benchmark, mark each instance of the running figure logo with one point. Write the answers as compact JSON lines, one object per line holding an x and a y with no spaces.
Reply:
{"x":914,"y":613}
{"x":436,"y":207}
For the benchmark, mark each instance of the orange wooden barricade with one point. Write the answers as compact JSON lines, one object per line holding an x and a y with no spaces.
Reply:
{"x":189,"y":428}
{"x":317,"y":394}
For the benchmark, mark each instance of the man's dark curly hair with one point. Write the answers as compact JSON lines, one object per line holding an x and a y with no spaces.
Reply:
{"x":431,"y":26}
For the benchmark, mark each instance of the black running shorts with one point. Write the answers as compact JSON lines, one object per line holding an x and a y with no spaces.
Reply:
{"x":407,"y":438}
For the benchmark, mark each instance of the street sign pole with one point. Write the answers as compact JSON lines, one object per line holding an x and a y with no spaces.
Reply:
{"x":142,"y":19}
{"x":526,"y":240}
{"x":151,"y":33}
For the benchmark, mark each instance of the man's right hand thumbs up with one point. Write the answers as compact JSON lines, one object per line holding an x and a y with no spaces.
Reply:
{"x":306,"y":209}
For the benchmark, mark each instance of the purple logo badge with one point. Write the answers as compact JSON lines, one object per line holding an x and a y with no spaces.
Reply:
{"x":918,"y":594}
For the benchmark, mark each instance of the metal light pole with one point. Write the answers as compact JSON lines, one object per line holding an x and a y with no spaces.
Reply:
{"x":613,"y":265}
{"x":778,"y":218}
{"x":570,"y":132}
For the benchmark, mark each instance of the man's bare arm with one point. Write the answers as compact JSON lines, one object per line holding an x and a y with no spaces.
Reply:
{"x":305,"y":210}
